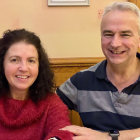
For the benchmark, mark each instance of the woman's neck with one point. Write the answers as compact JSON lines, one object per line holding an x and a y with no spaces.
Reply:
{"x":19,"y":94}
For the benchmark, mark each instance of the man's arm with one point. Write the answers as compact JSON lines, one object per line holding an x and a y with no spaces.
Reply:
{"x":68,"y":93}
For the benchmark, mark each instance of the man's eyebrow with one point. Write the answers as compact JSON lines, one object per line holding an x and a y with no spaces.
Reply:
{"x":127,"y":31}
{"x":107,"y":31}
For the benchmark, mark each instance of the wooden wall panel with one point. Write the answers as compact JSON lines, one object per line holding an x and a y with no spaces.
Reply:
{"x":137,"y":2}
{"x":64,"y":68}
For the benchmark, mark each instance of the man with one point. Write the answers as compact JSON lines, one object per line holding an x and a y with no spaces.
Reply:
{"x":107,"y":95}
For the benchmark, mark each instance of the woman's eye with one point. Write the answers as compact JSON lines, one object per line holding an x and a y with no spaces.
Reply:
{"x":32,"y":61}
{"x":13,"y":60}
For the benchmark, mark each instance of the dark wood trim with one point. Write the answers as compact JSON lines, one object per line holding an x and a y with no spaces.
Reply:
{"x":75,"y":61}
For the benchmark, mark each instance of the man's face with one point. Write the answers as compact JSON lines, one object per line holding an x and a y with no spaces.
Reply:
{"x":119,"y":37}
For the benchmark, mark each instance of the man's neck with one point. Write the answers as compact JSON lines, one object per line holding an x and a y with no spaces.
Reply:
{"x":123,"y":76}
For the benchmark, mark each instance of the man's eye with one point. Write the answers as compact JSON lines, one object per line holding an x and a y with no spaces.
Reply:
{"x":108,"y":35}
{"x":125,"y":35}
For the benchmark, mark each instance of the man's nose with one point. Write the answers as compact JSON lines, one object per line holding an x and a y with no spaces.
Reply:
{"x":116,"y":41}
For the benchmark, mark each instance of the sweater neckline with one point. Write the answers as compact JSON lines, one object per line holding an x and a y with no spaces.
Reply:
{"x":18,"y":113}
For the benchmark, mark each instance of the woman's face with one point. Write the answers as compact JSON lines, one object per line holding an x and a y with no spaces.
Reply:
{"x":21,"y":66}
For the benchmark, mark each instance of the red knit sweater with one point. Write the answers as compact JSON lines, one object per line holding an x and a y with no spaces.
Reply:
{"x":25,"y":120}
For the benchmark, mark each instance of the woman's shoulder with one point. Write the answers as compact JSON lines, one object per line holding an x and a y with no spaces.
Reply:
{"x":52,"y":98}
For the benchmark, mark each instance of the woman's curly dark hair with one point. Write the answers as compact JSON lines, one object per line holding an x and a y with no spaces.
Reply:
{"x":44,"y":83}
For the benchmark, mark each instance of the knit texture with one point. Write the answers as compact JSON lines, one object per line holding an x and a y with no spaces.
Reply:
{"x":25,"y":120}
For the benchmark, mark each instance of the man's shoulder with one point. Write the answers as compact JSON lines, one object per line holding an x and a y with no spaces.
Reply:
{"x":94,"y":67}
{"x":90,"y":71}
{"x":88,"y":74}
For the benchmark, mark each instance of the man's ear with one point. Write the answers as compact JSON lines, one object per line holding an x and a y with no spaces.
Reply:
{"x":139,"y":45}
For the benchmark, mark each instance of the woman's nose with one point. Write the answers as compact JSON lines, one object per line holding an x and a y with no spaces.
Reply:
{"x":23,"y":66}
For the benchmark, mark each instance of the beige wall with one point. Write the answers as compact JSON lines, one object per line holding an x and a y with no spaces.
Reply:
{"x":64,"y":31}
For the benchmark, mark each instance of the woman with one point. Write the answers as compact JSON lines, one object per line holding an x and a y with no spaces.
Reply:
{"x":28,"y":108}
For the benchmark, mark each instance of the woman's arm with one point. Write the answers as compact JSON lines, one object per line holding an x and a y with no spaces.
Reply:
{"x":57,"y":118}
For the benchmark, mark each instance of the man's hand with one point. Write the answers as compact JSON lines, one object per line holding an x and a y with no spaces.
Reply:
{"x":84,"y":133}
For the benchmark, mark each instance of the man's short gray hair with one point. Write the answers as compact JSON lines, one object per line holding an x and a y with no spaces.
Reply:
{"x":124,"y":6}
